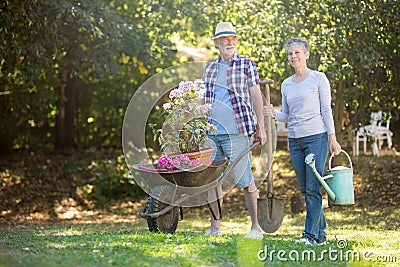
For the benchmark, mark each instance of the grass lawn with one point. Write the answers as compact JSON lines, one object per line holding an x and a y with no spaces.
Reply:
{"x":366,"y":234}
{"x":355,"y":239}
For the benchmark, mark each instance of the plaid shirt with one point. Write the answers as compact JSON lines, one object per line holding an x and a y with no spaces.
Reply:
{"x":242,"y":74}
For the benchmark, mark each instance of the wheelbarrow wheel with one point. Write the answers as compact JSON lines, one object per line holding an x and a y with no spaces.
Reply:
{"x":168,"y":222}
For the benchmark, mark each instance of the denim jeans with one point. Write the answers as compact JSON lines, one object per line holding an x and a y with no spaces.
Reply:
{"x":230,"y":146}
{"x":310,"y":187}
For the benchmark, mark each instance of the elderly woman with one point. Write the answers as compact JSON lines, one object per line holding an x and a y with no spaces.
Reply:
{"x":306,"y":106}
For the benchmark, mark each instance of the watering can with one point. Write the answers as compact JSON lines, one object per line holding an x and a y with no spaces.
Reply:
{"x":338,"y":182}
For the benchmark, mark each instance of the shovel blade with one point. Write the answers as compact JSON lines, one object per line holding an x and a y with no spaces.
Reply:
{"x":270,"y":213}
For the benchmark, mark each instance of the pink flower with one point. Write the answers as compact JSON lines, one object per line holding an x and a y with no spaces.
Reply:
{"x":170,"y":166}
{"x":176,"y":162}
{"x":186,"y":86}
{"x":180,"y":162}
{"x":194,"y":162}
{"x":176,"y":93}
{"x":163,"y":161}
{"x":167,"y":106}
{"x":185,"y":159}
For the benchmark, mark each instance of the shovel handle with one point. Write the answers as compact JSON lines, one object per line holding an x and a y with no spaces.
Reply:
{"x":269,"y":133}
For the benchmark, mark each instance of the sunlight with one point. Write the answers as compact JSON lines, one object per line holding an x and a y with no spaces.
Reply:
{"x":67,"y":232}
{"x":235,"y":227}
{"x":193,"y":225}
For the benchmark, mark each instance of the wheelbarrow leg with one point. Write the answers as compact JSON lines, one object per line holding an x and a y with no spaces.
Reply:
{"x":218,"y":205}
{"x":181,"y":213}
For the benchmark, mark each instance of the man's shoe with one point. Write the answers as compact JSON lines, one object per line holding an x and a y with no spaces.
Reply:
{"x":254,"y":235}
{"x":212,"y":233}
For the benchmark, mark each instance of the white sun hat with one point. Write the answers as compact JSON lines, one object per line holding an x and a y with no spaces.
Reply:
{"x":224,"y":29}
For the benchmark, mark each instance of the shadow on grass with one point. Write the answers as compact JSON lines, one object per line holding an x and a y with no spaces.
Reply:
{"x":350,"y":218}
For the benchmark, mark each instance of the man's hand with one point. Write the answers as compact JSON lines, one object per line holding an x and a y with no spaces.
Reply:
{"x":261,"y":135}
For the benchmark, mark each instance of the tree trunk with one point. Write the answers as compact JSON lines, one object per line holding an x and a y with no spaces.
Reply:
{"x":338,"y":111}
{"x":66,"y":107}
{"x":339,"y":116}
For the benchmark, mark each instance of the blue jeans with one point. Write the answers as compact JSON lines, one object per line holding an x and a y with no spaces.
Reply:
{"x":310,"y":187}
{"x":230,"y":146}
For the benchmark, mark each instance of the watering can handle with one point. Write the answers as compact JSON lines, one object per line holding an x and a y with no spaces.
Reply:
{"x":330,"y":160}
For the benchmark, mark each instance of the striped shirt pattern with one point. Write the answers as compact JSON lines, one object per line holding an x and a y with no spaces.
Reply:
{"x":242,"y":74}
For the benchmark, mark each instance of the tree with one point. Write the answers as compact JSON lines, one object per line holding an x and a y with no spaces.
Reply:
{"x":90,"y":56}
{"x":61,"y":42}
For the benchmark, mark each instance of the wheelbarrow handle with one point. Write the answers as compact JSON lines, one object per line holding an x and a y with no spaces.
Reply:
{"x":256,"y":143}
{"x":143,"y":213}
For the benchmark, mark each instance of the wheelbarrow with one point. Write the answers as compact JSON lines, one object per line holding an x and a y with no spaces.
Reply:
{"x":164,"y":205}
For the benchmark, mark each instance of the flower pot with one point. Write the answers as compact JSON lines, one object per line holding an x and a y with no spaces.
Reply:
{"x":204,"y":156}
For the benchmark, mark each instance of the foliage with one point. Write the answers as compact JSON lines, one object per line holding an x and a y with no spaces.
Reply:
{"x":41,"y":40}
{"x":39,"y":183}
{"x":110,"y":179}
{"x":101,"y":43}
{"x":113,"y":46}
{"x":355,"y":43}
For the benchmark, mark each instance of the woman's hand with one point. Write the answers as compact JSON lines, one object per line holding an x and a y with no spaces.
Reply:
{"x":269,"y":111}
{"x":334,"y":146}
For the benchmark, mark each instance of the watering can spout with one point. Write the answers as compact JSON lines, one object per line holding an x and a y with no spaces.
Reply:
{"x":310,"y":161}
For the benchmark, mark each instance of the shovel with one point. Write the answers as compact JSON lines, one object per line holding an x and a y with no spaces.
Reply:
{"x":270,"y":209}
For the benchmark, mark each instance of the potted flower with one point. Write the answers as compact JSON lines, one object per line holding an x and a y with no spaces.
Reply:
{"x":184,"y":131}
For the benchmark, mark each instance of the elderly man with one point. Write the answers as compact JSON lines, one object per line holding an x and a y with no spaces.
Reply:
{"x":232,"y":87}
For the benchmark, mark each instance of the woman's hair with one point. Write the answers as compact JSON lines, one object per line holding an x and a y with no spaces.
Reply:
{"x":296,"y":41}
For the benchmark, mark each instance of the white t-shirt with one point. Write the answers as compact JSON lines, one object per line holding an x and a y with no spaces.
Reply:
{"x":223,"y":116}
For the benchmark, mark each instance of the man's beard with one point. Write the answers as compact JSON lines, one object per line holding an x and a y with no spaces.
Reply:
{"x":226,"y":52}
